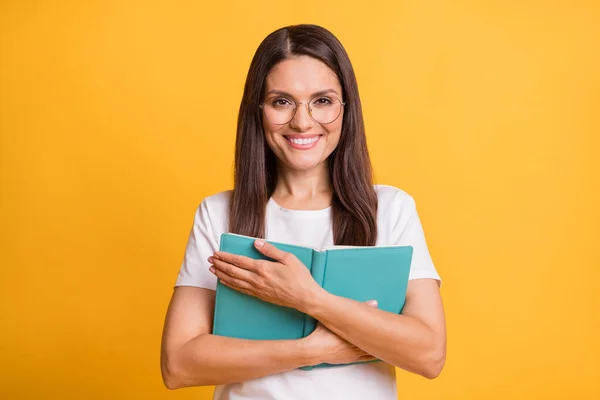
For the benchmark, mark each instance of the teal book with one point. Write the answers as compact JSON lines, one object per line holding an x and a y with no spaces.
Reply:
{"x":360,"y":273}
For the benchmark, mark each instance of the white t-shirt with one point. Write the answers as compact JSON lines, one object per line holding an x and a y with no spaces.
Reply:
{"x":398,"y":224}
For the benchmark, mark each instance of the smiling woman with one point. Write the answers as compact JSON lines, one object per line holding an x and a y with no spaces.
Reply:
{"x":302,"y":176}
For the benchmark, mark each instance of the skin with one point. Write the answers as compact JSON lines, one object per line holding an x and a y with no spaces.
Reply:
{"x":303,"y":178}
{"x":348,"y":330}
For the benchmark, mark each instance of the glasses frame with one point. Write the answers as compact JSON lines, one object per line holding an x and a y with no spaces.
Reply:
{"x":262,"y":106}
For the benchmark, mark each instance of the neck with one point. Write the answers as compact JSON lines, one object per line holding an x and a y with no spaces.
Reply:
{"x":303,"y":184}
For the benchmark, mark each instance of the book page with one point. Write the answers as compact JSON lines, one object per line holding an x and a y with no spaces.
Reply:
{"x":326,"y":248}
{"x":337,"y":247}
{"x":341,"y":247}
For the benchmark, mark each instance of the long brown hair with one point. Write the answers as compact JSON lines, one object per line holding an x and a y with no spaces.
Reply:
{"x":354,"y":202}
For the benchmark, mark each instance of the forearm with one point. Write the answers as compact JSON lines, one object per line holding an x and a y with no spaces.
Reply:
{"x":214,"y":360}
{"x":400,"y":340}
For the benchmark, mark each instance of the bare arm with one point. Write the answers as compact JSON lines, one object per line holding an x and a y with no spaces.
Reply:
{"x":414,"y":340}
{"x":191,"y":356}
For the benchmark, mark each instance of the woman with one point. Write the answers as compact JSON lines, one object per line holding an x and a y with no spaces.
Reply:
{"x":302,"y":176}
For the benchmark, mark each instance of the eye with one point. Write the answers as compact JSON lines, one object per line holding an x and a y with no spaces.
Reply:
{"x":322,"y":102}
{"x":280,"y":102}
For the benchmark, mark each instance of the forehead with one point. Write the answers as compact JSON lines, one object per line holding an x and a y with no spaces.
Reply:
{"x":302,"y":76}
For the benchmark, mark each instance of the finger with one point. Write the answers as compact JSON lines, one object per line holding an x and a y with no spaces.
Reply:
{"x":231,"y":281}
{"x":233,"y":270}
{"x":367,"y":357}
{"x":270,"y":251}
{"x":237,"y":260}
{"x":238,"y":289}
{"x":372,"y":303}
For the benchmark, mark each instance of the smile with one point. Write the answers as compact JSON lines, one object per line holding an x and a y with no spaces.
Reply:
{"x":303,"y":143}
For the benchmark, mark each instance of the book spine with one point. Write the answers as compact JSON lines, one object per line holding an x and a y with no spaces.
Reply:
{"x":319,"y":260}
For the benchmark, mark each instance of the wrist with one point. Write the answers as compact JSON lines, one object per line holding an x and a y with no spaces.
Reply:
{"x":314,"y":302}
{"x":311,"y":354}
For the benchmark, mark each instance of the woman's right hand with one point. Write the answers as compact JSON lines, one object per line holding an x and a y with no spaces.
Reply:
{"x":332,"y":349}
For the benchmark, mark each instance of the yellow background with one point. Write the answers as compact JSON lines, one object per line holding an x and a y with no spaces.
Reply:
{"x":118,"y":117}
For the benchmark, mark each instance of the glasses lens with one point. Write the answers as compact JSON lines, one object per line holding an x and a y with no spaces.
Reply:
{"x":279,"y":110}
{"x":325,"y":110}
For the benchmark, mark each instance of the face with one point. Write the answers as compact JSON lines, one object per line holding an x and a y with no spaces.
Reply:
{"x":298,"y":79}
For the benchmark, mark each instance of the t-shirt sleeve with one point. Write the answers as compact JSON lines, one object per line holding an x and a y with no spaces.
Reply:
{"x":410,"y":233}
{"x":201,"y":244}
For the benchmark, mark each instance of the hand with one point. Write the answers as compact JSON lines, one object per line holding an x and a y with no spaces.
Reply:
{"x":332,"y":349}
{"x":286,"y":281}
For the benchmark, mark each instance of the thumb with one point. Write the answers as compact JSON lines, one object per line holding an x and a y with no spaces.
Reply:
{"x":269,"y":250}
{"x":372,"y":303}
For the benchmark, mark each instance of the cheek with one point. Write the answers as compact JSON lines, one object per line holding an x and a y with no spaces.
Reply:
{"x":269,"y":131}
{"x":334,"y":132}
{"x":269,"y":128}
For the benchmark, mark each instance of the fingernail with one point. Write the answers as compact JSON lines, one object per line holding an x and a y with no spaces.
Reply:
{"x":211,"y":269}
{"x":210,"y":260}
{"x":259,"y":243}
{"x":372,"y":303}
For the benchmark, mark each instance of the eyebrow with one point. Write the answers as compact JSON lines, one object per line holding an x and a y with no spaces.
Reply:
{"x":319,"y":93}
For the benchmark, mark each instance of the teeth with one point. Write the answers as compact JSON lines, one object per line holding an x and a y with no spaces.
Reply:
{"x":304,"y":141}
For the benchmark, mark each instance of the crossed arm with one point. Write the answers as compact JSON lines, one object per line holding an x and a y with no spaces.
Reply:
{"x":414,"y":340}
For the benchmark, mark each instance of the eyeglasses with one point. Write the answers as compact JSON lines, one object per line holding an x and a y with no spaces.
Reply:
{"x":323,"y":109}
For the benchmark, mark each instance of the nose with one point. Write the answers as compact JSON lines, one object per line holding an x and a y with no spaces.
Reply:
{"x":302,"y":120}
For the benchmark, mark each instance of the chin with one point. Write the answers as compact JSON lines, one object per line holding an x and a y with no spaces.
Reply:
{"x":303,"y":165}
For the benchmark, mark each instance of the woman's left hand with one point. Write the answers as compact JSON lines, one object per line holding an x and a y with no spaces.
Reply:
{"x":285,"y":281}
